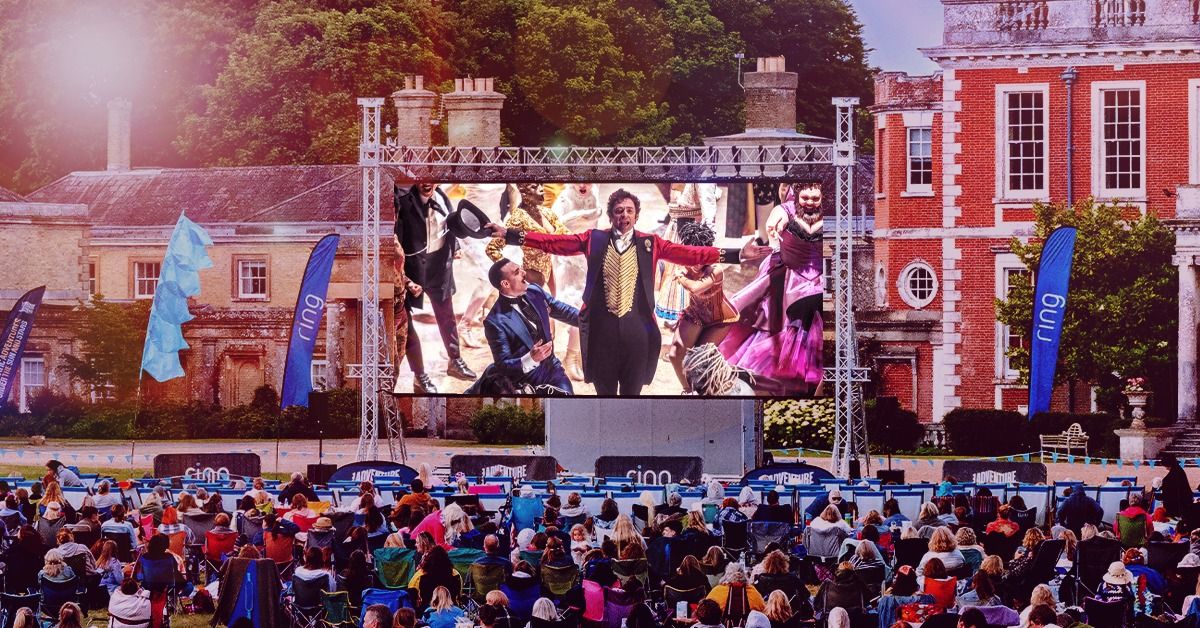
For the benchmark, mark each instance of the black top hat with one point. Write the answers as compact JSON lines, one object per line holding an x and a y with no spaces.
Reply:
{"x":468,"y":221}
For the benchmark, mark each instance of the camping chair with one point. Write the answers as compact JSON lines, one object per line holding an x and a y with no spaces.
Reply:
{"x":86,"y":538}
{"x":199,"y":524}
{"x":1092,"y":558}
{"x":910,"y":551}
{"x":394,"y":567}
{"x":54,"y":595}
{"x":764,"y":533}
{"x":1163,"y":556}
{"x":618,"y":606}
{"x":281,"y":548}
{"x":558,"y":581}
{"x":984,"y":511}
{"x":304,"y":606}
{"x":1001,"y":545}
{"x":124,"y":545}
{"x":663,"y":557}
{"x":710,"y":512}
{"x":872,"y":580}
{"x":218,"y":546}
{"x":484,"y":580}
{"x":89,"y":583}
{"x":736,"y":537}
{"x":146,"y":522}
{"x":1025,"y":518}
{"x":1132,"y":530}
{"x":394,"y":599}
{"x":322,"y":540}
{"x":1104,"y":614}
{"x":737,"y":605}
{"x":941,"y":620}
{"x":972,"y":559}
{"x":525,"y":511}
{"x":462,"y":558}
{"x":827,"y":544}
{"x":161,"y":577}
{"x":337,"y":610}
{"x":632,"y":568}
{"x":1045,"y":561}
{"x":672,"y":597}
{"x":533,"y":557}
{"x":48,"y":530}
{"x":10,"y":603}
{"x":250,"y":527}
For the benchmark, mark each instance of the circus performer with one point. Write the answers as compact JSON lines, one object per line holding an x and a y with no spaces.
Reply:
{"x":528,"y":214}
{"x":671,"y":298}
{"x":708,"y":314}
{"x":474,"y":290}
{"x":778,"y":337}
{"x":578,"y":208}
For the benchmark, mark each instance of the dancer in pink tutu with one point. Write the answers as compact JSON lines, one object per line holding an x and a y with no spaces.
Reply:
{"x":778,"y":335}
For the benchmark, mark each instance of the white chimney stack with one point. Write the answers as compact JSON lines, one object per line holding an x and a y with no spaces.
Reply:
{"x":119,"y":113}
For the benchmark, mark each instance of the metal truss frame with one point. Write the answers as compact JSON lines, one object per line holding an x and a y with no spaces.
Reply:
{"x":831,"y":163}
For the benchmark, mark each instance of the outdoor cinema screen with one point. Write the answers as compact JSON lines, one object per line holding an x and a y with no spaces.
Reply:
{"x":609,"y":289}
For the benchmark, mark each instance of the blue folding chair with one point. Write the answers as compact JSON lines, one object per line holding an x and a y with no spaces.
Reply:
{"x":394,"y":599}
{"x":525,"y":511}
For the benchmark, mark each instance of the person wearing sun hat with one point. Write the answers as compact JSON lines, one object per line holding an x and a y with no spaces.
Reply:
{"x":1117,"y":584}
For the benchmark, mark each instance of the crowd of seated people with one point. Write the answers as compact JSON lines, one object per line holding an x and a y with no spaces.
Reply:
{"x":965,"y":557}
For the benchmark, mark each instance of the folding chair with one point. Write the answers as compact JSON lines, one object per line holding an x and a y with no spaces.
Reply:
{"x":89,"y":583}
{"x":54,"y":595}
{"x":218,"y":546}
{"x":910,"y":551}
{"x":764,"y":533}
{"x":462,"y":558}
{"x":1001,"y":545}
{"x":632,"y":568}
{"x":281,"y":548}
{"x":124,"y":545}
{"x":1102,"y":614}
{"x":10,"y":603}
{"x":338,"y":613}
{"x":161,"y":577}
{"x":1132,"y":530}
{"x":533,"y":557}
{"x":394,"y":599}
{"x":559,"y":580}
{"x":1025,"y":518}
{"x":525,"y":511}
{"x":484,"y":580}
{"x":394,"y":567}
{"x":1163,"y":556}
{"x":672,"y":596}
{"x":305,"y":606}
{"x":735,"y":537}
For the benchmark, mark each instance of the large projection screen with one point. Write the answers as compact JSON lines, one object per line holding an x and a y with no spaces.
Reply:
{"x":721,"y":432}
{"x":616,"y":311}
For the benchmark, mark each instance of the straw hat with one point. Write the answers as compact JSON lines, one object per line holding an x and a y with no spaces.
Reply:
{"x":1118,"y":574}
{"x":323,"y":523}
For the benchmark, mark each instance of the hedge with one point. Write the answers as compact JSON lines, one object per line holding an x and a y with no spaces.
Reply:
{"x":798,"y":423}
{"x":507,"y":424}
{"x":59,"y":416}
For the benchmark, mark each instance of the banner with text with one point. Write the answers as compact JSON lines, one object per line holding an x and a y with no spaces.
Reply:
{"x":535,"y":468}
{"x":1049,"y":305}
{"x":989,"y":472}
{"x":306,"y":322}
{"x":207,"y":467}
{"x":16,"y":332}
{"x":651,"y":469}
{"x":790,"y":474}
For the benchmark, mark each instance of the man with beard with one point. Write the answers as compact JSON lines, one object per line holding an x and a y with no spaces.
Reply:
{"x":619,"y":337}
{"x":428,"y":249}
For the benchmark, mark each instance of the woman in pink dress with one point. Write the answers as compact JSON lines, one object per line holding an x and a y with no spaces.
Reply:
{"x":778,"y":335}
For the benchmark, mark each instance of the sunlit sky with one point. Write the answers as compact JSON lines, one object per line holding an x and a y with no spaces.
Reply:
{"x":895,"y":29}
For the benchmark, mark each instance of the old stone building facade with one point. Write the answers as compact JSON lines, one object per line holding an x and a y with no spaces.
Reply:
{"x":963,"y":154}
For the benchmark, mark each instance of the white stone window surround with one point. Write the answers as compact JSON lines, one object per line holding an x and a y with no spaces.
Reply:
{"x":1006,"y":263}
{"x":1099,"y":190}
{"x":1194,"y":131}
{"x":923,"y":120}
{"x":917,"y":284}
{"x":1004,"y":193}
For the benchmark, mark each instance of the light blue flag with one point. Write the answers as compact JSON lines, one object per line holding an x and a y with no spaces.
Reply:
{"x":1054,"y":456}
{"x":178,"y":279}
{"x":1070,"y":458}
{"x":1087,"y":460}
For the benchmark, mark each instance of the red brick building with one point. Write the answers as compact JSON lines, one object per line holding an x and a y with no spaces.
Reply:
{"x":964,"y":153}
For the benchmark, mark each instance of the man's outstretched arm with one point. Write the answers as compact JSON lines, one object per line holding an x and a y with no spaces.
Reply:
{"x":554,"y":244}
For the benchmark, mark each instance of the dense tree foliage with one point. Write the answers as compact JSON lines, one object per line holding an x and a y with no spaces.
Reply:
{"x":236,"y":82}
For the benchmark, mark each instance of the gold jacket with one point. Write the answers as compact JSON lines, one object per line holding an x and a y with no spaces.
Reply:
{"x":520,"y":219}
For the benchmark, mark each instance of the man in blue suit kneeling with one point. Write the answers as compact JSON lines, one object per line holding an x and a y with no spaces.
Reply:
{"x":518,"y":330}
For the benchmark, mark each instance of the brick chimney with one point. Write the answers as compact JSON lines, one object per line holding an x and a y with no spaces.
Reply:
{"x":119,"y":113}
{"x":473,"y":112}
{"x":770,"y":96}
{"x":414,"y":108}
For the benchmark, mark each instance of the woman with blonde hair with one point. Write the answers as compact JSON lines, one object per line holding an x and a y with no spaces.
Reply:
{"x":442,"y":613}
{"x":458,"y":530}
{"x":776,"y":576}
{"x":54,"y":494}
{"x":425,"y":474}
{"x":1020,"y":566}
{"x":56,"y":568}
{"x":25,"y":618}
{"x":779,"y":611}
{"x":831,"y":517}
{"x":942,"y":546}
{"x":1041,"y":595}
{"x":624,"y":533}
{"x":300,"y":509}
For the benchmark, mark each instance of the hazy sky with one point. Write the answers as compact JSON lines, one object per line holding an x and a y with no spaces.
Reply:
{"x":895,"y":29}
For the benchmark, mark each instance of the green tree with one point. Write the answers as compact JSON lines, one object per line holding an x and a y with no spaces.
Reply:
{"x":112,"y":335}
{"x":287,"y":94}
{"x":1121,"y":312}
{"x":821,"y":41}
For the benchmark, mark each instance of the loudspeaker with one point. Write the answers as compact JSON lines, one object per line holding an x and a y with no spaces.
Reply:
{"x":320,"y":473}
{"x":318,"y":410}
{"x":855,"y":469}
{"x":895,"y":476}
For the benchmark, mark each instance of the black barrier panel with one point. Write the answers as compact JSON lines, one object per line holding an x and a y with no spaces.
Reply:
{"x":651,"y":469}
{"x":537,"y":468}
{"x":991,"y":472}
{"x":366,"y":470}
{"x":790,"y":473}
{"x":207,"y":467}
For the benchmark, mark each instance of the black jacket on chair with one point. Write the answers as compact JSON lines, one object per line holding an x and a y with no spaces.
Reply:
{"x":433,"y":272}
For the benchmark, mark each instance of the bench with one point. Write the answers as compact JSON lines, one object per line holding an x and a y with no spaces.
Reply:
{"x":1071,"y":439}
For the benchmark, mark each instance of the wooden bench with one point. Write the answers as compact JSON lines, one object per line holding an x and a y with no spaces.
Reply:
{"x":1071,"y":439}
